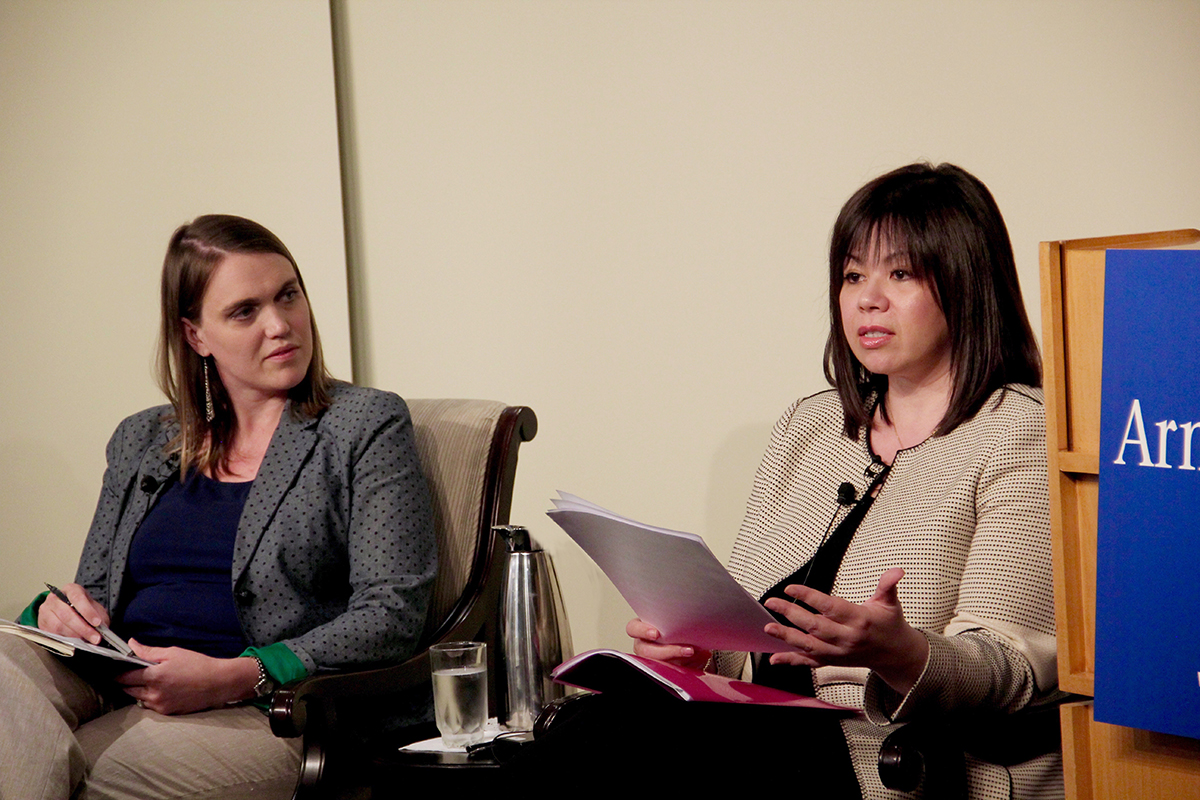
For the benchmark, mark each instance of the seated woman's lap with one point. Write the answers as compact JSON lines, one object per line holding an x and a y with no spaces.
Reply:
{"x":221,"y":753}
{"x":43,"y":703}
{"x":57,"y":728}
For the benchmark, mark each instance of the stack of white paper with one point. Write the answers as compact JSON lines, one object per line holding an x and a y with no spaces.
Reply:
{"x":670,"y":579}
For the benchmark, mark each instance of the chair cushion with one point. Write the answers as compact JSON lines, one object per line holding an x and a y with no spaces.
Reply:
{"x":454,"y":440}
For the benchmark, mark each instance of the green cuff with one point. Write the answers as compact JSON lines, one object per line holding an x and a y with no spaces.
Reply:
{"x":30,"y":614}
{"x":279,"y":661}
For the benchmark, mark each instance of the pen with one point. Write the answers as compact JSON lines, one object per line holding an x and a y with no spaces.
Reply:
{"x":114,"y":641}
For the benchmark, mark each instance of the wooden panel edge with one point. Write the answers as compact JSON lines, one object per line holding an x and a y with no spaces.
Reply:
{"x":1078,"y":463}
{"x":1053,"y":349}
{"x":1135,"y":241}
{"x":1076,"y":720}
{"x":1081,"y":682}
{"x":1057,"y":441}
{"x":1073,"y":602}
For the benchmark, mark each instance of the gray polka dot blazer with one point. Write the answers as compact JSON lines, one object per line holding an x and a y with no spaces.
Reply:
{"x":335,"y":552}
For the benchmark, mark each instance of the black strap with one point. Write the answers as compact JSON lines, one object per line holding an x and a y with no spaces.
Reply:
{"x":819,"y":573}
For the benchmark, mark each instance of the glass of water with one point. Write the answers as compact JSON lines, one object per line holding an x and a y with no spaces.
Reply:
{"x":460,"y":691}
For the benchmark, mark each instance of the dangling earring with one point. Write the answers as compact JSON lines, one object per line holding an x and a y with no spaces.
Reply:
{"x":208,"y":406}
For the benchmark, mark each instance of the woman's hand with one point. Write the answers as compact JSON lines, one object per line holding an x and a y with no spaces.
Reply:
{"x":184,"y":681}
{"x":55,"y":616}
{"x":645,"y":643}
{"x":872,"y":635}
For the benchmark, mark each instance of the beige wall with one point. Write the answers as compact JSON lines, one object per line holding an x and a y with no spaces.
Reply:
{"x":614,"y":212}
{"x":617,"y":212}
{"x":118,"y":122}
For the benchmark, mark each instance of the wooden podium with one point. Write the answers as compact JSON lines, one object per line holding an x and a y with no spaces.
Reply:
{"x":1101,"y":761}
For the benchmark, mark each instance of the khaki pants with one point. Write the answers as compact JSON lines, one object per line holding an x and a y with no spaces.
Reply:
{"x":59,"y":739}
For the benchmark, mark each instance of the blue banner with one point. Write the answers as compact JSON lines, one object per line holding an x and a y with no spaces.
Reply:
{"x":1148,"y":541}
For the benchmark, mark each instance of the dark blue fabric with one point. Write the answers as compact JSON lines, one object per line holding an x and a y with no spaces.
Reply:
{"x":179,"y":568}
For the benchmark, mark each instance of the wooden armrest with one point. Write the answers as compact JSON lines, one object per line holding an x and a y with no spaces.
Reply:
{"x":289,"y":705}
{"x":289,"y":710}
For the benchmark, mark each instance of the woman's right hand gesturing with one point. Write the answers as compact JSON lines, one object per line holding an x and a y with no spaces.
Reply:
{"x":645,"y":643}
{"x":55,"y":616}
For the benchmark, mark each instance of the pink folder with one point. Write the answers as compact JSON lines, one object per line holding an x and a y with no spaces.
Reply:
{"x":612,"y":670}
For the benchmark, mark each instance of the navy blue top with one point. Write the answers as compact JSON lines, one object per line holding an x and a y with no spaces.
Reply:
{"x":181,"y":592}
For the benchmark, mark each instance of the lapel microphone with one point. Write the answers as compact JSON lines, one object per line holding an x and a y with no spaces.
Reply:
{"x":846,"y":495}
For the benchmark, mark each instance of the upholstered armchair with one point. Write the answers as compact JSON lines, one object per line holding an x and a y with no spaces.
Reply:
{"x":468,"y":451}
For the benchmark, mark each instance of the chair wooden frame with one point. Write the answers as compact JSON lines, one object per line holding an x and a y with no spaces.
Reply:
{"x":307,"y":707}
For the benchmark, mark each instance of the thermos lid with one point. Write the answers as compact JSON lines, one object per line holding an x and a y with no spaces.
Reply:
{"x":516,"y":537}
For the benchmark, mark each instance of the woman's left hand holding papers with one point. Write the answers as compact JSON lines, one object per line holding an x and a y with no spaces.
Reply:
{"x":646,"y":644}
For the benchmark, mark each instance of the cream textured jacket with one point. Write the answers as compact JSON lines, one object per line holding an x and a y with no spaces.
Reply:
{"x":967,"y":517}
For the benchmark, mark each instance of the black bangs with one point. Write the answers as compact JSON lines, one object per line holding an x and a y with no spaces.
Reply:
{"x":898,"y":235}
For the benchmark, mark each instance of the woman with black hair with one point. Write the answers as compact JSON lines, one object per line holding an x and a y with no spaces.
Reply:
{"x":899,"y":524}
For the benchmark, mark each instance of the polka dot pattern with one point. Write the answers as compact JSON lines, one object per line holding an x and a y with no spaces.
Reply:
{"x":967,"y":517}
{"x":335,"y":552}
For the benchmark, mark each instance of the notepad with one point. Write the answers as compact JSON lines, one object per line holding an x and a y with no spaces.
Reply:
{"x":67,"y":646}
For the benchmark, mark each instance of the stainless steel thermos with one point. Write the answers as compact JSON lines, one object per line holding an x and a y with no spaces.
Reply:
{"x":534,"y":634}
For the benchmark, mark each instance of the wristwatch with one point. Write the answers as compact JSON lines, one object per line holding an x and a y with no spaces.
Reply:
{"x":266,"y":684}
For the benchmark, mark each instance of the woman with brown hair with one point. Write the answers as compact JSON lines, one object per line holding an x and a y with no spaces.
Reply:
{"x":269,"y":522}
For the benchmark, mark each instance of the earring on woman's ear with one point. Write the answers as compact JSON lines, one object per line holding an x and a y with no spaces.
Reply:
{"x":208,"y":405}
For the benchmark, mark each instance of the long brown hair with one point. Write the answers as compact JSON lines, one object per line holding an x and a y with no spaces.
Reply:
{"x":947,"y":223}
{"x":195,"y":251}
